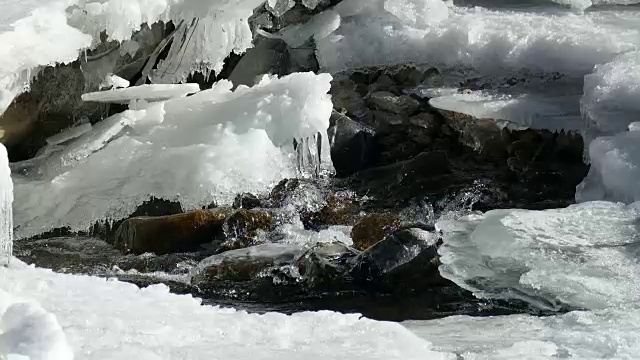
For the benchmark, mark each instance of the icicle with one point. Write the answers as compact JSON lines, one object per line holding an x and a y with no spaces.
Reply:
{"x":6,"y":214}
{"x":308,"y":155}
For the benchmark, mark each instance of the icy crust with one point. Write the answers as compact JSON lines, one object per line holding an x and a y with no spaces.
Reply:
{"x":591,"y":335}
{"x":583,"y":256}
{"x":610,"y":102}
{"x":6,"y":211}
{"x":615,"y":169}
{"x":488,"y":40}
{"x":27,"y":330}
{"x":109,"y":320}
{"x":195,"y":150}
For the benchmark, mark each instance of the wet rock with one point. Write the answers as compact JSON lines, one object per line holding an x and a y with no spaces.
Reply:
{"x":345,"y":96}
{"x":282,"y":191}
{"x":243,"y":264}
{"x":268,"y":56}
{"x":404,"y":261}
{"x":374,"y":228}
{"x":352,"y":146}
{"x":326,"y":265}
{"x":342,"y":208}
{"x":386,"y":101}
{"x":18,"y":122}
{"x":176,"y":264}
{"x":170,"y":234}
{"x":246,"y":201}
{"x":243,"y":225}
{"x":383,"y":83}
{"x":410,"y":75}
{"x":483,"y":135}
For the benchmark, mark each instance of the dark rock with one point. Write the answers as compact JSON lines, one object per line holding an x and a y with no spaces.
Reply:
{"x":241,"y":227}
{"x":170,"y":234}
{"x":404,"y":261}
{"x":268,"y":56}
{"x":243,"y":264}
{"x":246,"y":201}
{"x":383,"y":83}
{"x":345,"y":96}
{"x":352,"y":145}
{"x":482,"y":135}
{"x":170,"y":263}
{"x":386,"y":101}
{"x":342,"y":208}
{"x":282,"y":191}
{"x":374,"y":228}
{"x":325,"y":266}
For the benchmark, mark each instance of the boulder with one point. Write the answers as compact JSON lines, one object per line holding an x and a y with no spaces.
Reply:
{"x":246,"y":201}
{"x":325,"y":266}
{"x":243,"y":264}
{"x":172,"y":233}
{"x":386,"y":101}
{"x":352,"y":146}
{"x":268,"y":56}
{"x":404,"y":261}
{"x":374,"y":228}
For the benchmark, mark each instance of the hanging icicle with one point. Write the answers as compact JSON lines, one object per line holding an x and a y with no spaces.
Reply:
{"x":6,"y":213}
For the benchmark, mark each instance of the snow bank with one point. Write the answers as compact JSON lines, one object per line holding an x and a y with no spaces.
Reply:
{"x":26,"y":329}
{"x":488,"y":40}
{"x":196,"y":150}
{"x":582,"y":256}
{"x":585,"y":335}
{"x":6,"y":211}
{"x":106,"y":319}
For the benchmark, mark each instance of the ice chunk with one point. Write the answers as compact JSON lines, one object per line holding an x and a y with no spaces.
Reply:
{"x":6,"y":216}
{"x":488,"y":40}
{"x":320,"y":26}
{"x":279,"y":7}
{"x":196,"y":150}
{"x":419,"y":13}
{"x":70,"y":134}
{"x":26,"y":329}
{"x":607,"y":334}
{"x":149,"y":93}
{"x":582,"y":256}
{"x":615,"y":169}
{"x":634,"y":126}
{"x":610,"y":102}
{"x":105,"y":319}
{"x":115,"y":81}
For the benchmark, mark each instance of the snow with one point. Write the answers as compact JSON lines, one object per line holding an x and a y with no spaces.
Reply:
{"x":106,"y":319}
{"x":6,"y":199}
{"x":149,"y":93}
{"x":27,"y":330}
{"x":581,"y":256}
{"x":224,"y":142}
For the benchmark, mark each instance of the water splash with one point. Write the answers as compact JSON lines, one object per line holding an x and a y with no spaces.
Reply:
{"x":6,"y":214}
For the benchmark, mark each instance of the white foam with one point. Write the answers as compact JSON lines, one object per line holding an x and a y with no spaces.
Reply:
{"x":105,"y":320}
{"x":581,"y":256}
{"x":196,"y":150}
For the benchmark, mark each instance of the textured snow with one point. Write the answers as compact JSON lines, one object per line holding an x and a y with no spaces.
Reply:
{"x":105,"y":319}
{"x":583,"y":256}
{"x":27,"y":330}
{"x":6,"y":217}
{"x":196,"y":150}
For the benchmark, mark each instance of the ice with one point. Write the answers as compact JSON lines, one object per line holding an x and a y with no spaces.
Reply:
{"x":610,"y":101}
{"x":149,"y":93}
{"x":584,"y":256}
{"x":196,"y":150}
{"x":320,"y":26}
{"x":115,"y":81}
{"x":584,"y":335}
{"x":615,"y":169}
{"x":70,"y":134}
{"x":583,"y":4}
{"x":6,"y":216}
{"x":488,"y":40}
{"x":418,"y":13}
{"x":106,"y":319}
{"x":27,"y":331}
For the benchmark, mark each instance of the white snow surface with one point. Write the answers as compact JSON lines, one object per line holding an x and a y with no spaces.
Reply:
{"x":196,"y":150}
{"x":105,"y":319}
{"x":6,"y":210}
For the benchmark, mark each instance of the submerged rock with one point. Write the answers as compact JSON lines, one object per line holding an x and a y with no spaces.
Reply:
{"x":170,"y":234}
{"x":404,"y":261}
{"x":373,"y":229}
{"x":243,"y":225}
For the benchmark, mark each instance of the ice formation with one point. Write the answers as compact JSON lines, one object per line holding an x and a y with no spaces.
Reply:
{"x":105,"y":319}
{"x":224,"y":143}
{"x":579,"y":257}
{"x":148,"y":93}
{"x":6,"y":212}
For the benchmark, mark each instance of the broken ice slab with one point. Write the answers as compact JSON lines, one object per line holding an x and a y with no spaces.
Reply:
{"x":70,"y":134}
{"x":149,"y":93}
